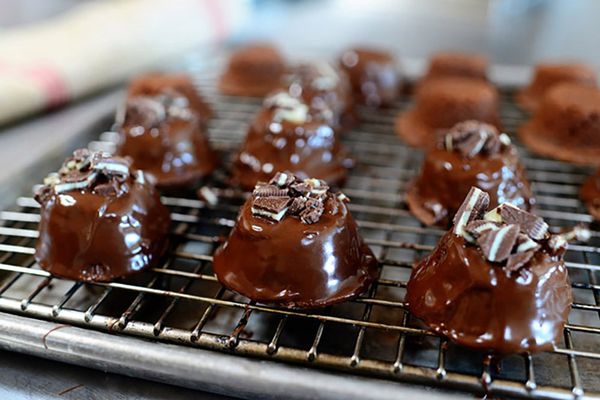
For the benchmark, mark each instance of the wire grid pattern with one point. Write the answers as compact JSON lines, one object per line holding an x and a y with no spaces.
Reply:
{"x":181,"y":301}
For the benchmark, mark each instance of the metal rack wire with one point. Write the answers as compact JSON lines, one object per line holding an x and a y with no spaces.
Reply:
{"x":182,"y":303}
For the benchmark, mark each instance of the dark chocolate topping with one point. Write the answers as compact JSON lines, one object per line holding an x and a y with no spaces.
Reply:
{"x":312,"y":257}
{"x":100,"y":219}
{"x":85,"y":170}
{"x":470,"y":138}
{"x":286,"y":194}
{"x":506,"y":230}
{"x":490,"y":285}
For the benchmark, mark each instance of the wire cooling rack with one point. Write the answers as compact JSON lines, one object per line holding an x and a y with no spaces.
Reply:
{"x":181,"y":302}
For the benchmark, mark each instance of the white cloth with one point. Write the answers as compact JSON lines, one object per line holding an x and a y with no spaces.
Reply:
{"x":103,"y":43}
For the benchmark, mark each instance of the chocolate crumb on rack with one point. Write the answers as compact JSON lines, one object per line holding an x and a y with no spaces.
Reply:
{"x":506,"y":234}
{"x":471,"y":138}
{"x":286,"y":194}
{"x":97,"y":171}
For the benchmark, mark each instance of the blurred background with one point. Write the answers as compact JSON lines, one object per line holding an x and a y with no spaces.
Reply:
{"x":63,"y":62}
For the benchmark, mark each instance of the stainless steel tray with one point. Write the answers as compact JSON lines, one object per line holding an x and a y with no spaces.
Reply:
{"x":177,"y":324}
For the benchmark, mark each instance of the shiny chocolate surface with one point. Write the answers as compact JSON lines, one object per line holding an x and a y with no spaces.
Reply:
{"x":461,"y":295}
{"x":171,"y":147}
{"x":295,"y":264}
{"x":437,"y":192}
{"x":373,"y":76}
{"x":101,"y":222}
{"x":154,"y":84}
{"x":304,"y":143}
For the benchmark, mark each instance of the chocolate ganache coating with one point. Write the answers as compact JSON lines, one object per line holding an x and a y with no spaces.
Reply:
{"x":548,"y":75}
{"x":472,"y":153}
{"x":100,"y":219}
{"x":496,"y":282}
{"x":288,"y":134}
{"x":444,"y":102}
{"x":373,"y":76}
{"x":253,"y":70}
{"x":590,"y":194}
{"x":566,"y":126}
{"x":164,"y":137}
{"x":295,"y":244}
{"x":322,"y":87}
{"x":158,"y":83}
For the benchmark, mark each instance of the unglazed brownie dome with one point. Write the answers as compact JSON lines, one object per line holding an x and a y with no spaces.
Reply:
{"x":373,"y":75}
{"x":442,"y":103}
{"x":322,"y":87}
{"x":496,"y":282}
{"x":472,"y":153}
{"x":567,"y":125}
{"x":100,"y":220}
{"x":548,"y":75}
{"x":288,"y":134}
{"x":165,"y":138}
{"x":590,"y":194}
{"x":458,"y":65}
{"x":295,"y":244}
{"x":253,"y":70}
{"x":154,"y":84}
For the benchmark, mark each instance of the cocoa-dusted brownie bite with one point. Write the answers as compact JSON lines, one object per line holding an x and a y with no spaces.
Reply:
{"x":288,"y":134}
{"x":566,"y":126}
{"x":295,"y":244}
{"x":157,"y":83}
{"x":496,"y":281}
{"x":442,"y":103}
{"x":456,"y":64}
{"x":253,"y":70}
{"x":322,"y":87}
{"x":373,"y":76}
{"x":100,"y":219}
{"x":548,"y":75}
{"x":164,"y":137}
{"x":471,"y":153}
{"x":590,"y":194}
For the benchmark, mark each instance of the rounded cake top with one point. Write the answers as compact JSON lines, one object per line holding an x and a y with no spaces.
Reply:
{"x":287,"y":195}
{"x":359,"y":55}
{"x":94,"y":172}
{"x":561,"y":71}
{"x":457,"y":89}
{"x":151,"y":111}
{"x":285,"y":108}
{"x":458,"y":64}
{"x":574,"y":97}
{"x":257,"y":56}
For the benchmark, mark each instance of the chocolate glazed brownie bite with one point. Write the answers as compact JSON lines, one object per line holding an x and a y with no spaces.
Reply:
{"x":164,"y":137}
{"x":496,"y":282}
{"x":158,"y":83}
{"x":295,"y":244}
{"x":322,"y":87}
{"x":373,"y":75}
{"x":472,"y":153}
{"x":288,"y":134}
{"x":100,"y":219}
